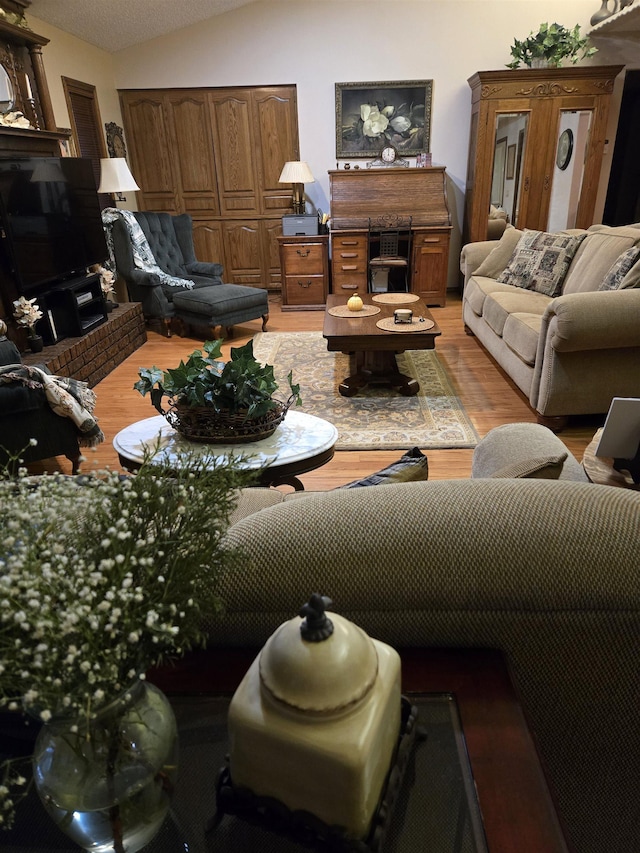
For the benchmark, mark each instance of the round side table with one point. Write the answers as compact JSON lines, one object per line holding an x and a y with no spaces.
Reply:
{"x":600,"y":470}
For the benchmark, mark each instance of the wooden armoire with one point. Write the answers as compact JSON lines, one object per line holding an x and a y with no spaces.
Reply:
{"x":536,"y":145}
{"x":217,"y":154}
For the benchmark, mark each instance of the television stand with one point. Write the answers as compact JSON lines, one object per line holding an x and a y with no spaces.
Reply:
{"x":74,"y":307}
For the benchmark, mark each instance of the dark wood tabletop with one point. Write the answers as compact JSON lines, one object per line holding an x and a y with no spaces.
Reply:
{"x":361,"y":333}
{"x":517,"y":809}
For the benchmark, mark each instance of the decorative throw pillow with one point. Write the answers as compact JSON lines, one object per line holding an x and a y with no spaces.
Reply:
{"x":542,"y":468}
{"x":499,"y":256}
{"x":619,"y":268}
{"x":541,"y":261}
{"x":413,"y":465}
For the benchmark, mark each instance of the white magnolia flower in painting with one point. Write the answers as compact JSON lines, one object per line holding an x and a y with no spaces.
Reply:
{"x":375,"y":122}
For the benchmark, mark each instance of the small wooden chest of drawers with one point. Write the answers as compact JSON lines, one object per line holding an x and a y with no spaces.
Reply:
{"x":304,"y":262}
{"x":349,"y":262}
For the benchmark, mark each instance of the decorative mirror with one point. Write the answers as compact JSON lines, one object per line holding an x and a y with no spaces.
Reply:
{"x":7,"y":97}
{"x":510,"y":140}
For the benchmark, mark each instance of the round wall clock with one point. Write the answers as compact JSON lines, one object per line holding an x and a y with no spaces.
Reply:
{"x":565,"y":149}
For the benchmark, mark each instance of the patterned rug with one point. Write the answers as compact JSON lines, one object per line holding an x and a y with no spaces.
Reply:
{"x":377,"y":418}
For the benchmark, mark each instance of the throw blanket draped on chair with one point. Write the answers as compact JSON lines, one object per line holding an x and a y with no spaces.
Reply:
{"x":67,"y":397}
{"x":142,"y":254}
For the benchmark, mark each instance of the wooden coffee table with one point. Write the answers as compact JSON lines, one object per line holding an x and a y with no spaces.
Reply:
{"x":372,"y":350}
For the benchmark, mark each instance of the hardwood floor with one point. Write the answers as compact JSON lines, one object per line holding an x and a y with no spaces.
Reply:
{"x":487,"y":394}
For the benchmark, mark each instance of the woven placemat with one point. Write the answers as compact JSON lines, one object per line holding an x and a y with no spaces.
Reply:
{"x":343,"y":311}
{"x":395,"y":298}
{"x":389,"y":325}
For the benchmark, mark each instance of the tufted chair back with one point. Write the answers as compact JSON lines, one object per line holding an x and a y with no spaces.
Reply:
{"x":166,"y":237}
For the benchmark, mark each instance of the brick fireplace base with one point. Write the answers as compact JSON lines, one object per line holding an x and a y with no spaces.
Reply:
{"x":94,"y":355}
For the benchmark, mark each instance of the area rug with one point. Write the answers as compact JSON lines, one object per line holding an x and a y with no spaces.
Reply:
{"x":377,"y":418}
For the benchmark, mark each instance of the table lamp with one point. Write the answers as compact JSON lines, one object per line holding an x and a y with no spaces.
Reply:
{"x":298,"y":173}
{"x":115,"y":177}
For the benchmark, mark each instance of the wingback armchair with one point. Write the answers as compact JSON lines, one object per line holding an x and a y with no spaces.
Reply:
{"x":210,"y":302}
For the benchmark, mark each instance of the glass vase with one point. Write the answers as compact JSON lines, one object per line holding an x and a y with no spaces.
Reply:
{"x":107,"y":781}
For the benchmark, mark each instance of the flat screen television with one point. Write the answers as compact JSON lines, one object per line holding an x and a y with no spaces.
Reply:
{"x":50,"y":218}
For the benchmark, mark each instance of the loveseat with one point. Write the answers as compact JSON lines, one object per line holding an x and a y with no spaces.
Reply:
{"x":563,"y":320}
{"x":544,"y":570}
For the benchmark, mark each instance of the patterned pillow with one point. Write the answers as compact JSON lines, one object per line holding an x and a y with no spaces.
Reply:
{"x":412,"y":466}
{"x":619,"y":268}
{"x":541,"y":261}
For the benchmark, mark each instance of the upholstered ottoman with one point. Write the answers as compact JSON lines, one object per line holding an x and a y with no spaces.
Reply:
{"x":221,"y":305}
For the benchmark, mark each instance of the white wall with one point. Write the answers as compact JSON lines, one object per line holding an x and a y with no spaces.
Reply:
{"x":316,"y":44}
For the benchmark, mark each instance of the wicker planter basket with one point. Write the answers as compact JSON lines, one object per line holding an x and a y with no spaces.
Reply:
{"x":205,"y":425}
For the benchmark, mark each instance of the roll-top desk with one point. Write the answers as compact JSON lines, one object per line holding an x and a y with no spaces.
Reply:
{"x":363,"y":194}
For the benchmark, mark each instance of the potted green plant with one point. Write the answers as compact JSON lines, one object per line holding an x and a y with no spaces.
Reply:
{"x":552,"y":44}
{"x":216,"y":401}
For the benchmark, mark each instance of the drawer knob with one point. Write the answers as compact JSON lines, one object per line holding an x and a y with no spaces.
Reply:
{"x":349,"y":286}
{"x":348,"y":254}
{"x":349,"y":267}
{"x":303,"y":252}
{"x":304,"y":283}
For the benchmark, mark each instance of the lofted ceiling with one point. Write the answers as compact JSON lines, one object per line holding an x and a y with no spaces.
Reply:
{"x":115,"y":24}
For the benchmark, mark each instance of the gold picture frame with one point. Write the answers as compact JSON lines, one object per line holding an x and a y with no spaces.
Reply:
{"x":372,"y":115}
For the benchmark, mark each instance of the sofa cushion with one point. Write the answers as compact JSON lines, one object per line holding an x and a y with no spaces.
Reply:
{"x":477,"y":290}
{"x":618,"y":270}
{"x":536,"y":468}
{"x":597,"y":253}
{"x":541,"y":261}
{"x":498,"y":306}
{"x":500,"y":255}
{"x":413,"y":465}
{"x":521,"y":332}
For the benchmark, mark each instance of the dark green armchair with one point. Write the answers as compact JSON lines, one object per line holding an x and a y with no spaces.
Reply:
{"x":26,"y":417}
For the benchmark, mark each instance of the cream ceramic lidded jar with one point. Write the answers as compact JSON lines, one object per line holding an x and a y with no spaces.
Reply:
{"x":316,"y":720}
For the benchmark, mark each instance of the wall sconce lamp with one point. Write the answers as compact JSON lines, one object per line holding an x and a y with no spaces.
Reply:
{"x":115,"y":177}
{"x":298,"y":173}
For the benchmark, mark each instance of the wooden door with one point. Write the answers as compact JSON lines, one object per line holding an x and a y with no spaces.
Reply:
{"x":192,"y":144}
{"x":430,"y":266}
{"x":243,"y":252}
{"x":276,"y":127}
{"x":151,"y":149}
{"x":271,"y":230}
{"x":235,"y":150}
{"x":208,"y":242}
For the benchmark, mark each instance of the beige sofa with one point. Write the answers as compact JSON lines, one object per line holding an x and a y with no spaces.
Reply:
{"x":569,"y":354}
{"x":545,"y":570}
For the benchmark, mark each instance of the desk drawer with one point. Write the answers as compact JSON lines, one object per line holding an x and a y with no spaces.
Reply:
{"x":304,"y":289}
{"x":304,"y":260}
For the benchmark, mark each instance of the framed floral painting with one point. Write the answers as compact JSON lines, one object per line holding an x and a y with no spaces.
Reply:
{"x":372,"y":115}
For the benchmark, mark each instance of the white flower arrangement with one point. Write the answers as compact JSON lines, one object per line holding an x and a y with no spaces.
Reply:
{"x":27,"y":313}
{"x":107,"y":280}
{"x":101,"y":577}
